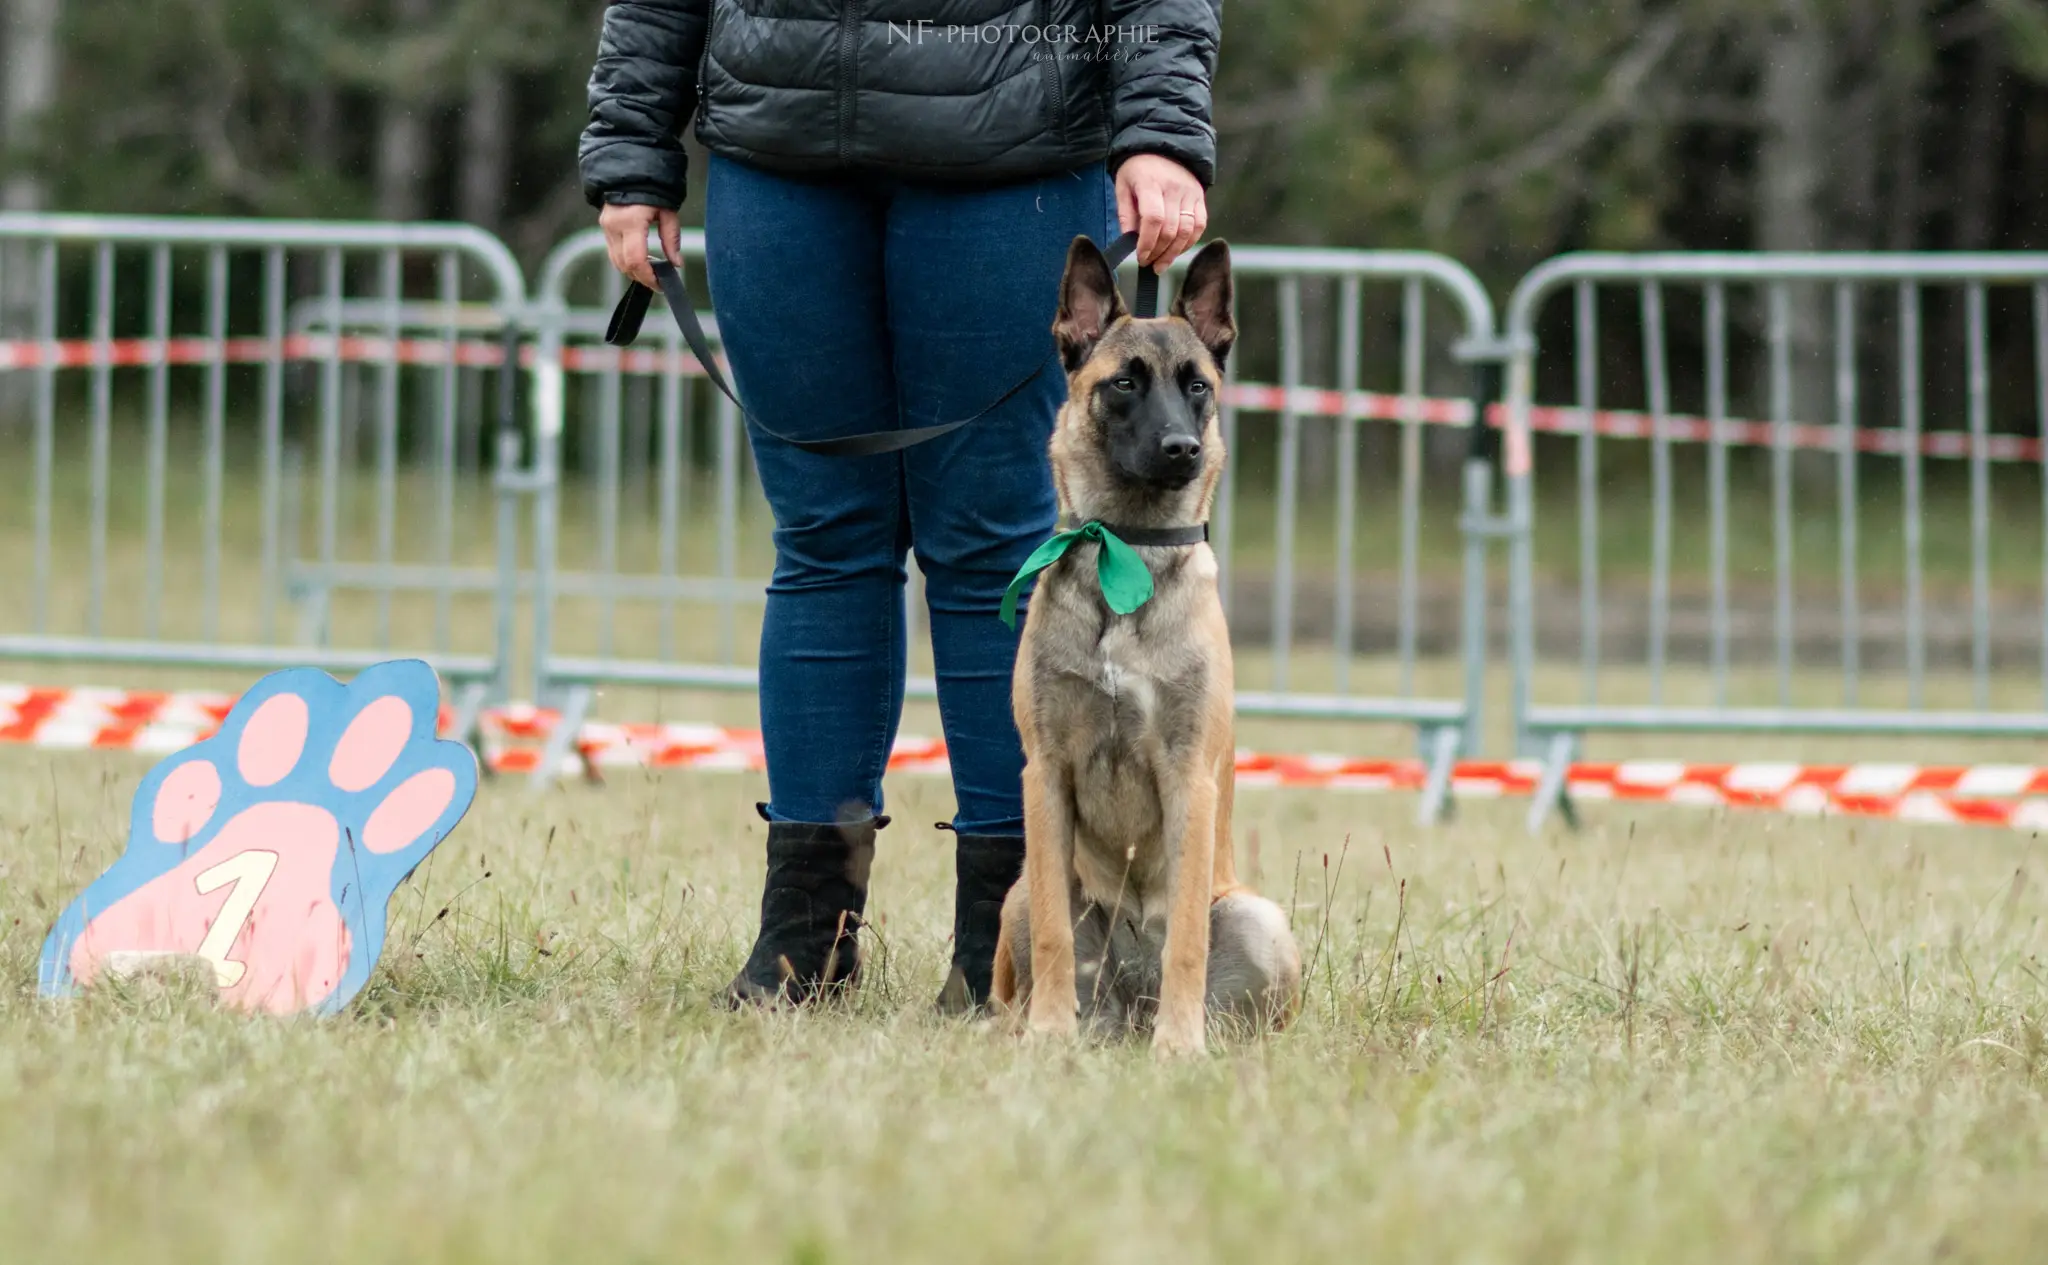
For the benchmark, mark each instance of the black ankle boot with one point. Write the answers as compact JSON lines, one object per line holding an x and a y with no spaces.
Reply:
{"x":985,"y":868}
{"x":811,"y":908}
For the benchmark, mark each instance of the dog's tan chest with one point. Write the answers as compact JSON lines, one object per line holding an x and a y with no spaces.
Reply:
{"x":1123,"y":675}
{"x":1103,"y":700}
{"x":1117,"y":684}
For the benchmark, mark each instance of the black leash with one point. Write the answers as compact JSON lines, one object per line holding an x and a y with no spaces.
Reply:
{"x":632,"y":311}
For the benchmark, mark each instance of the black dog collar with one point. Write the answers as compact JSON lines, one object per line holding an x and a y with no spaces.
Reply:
{"x":1160,"y":536}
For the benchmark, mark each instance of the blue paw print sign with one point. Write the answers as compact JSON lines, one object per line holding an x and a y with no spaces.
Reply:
{"x":271,"y":849}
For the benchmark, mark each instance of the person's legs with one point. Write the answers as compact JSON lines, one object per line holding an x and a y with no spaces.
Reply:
{"x":797,"y":279}
{"x":973,"y":283}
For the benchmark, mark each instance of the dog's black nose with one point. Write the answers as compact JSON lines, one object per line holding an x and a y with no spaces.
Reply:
{"x":1180,"y":449}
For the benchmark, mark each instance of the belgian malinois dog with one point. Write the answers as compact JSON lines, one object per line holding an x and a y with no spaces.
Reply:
{"x":1129,"y":913}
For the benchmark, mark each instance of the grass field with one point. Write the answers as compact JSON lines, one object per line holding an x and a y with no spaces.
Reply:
{"x":1677,"y":1037}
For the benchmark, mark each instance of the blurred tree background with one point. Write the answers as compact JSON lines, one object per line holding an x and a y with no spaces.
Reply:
{"x":1497,"y":131}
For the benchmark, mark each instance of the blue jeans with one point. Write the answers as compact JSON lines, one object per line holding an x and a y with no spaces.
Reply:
{"x":859,"y":305}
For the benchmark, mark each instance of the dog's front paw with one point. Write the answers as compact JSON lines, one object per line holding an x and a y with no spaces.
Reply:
{"x":1052,"y":1022}
{"x":1178,"y":1040}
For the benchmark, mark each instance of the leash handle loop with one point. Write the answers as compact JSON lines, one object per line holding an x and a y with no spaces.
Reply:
{"x":631,"y":313}
{"x":1121,"y":249}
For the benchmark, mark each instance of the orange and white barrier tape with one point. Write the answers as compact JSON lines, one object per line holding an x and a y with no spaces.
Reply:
{"x":153,"y":722}
{"x":2012,"y":796}
{"x":1259,"y":397}
{"x":130,"y":353}
{"x":1981,"y":795}
{"x":605,"y":745}
{"x":1682,"y":428}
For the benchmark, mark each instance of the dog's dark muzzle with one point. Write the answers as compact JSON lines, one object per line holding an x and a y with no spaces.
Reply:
{"x":1169,"y":457}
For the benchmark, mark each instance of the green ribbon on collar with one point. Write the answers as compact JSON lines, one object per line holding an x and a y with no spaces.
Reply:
{"x":1126,"y":580}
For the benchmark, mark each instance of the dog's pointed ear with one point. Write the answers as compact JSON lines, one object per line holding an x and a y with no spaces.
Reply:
{"x":1204,"y":300}
{"x":1089,"y":303}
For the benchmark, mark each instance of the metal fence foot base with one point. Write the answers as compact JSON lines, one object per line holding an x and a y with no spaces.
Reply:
{"x":1551,"y":789}
{"x":1437,"y":805}
{"x":562,"y":742}
{"x":466,"y":726}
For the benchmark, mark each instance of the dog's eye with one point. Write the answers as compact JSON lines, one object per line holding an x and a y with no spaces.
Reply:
{"x":1198,"y":387}
{"x":1125,"y":384}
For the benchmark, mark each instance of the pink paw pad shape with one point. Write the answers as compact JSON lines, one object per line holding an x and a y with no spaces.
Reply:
{"x":272,"y":848}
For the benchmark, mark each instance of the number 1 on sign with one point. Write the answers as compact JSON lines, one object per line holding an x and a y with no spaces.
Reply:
{"x":250,"y":873}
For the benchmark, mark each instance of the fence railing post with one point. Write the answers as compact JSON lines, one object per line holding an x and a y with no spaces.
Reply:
{"x":509,"y":487}
{"x":1521,"y":611}
{"x":545,"y":313}
{"x":1479,"y":529}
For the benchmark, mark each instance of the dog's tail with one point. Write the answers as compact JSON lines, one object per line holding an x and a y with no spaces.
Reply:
{"x":1283,"y":1008}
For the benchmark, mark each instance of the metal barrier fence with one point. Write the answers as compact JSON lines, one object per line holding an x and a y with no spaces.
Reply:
{"x":181,"y":439}
{"x":254,"y":443}
{"x":1803,"y":327}
{"x":635,"y":425}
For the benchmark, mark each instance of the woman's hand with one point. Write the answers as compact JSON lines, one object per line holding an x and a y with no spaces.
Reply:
{"x":1163,"y":201}
{"x":625,"y":238}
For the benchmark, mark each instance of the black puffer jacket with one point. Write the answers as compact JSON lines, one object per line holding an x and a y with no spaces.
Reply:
{"x":968,"y":91}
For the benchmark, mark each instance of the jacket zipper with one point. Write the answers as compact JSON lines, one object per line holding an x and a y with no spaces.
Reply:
{"x":1055,"y":78}
{"x":704,"y":58}
{"x":849,"y":31}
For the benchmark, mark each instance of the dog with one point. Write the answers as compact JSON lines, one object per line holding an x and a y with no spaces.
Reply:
{"x":1129,"y":914}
